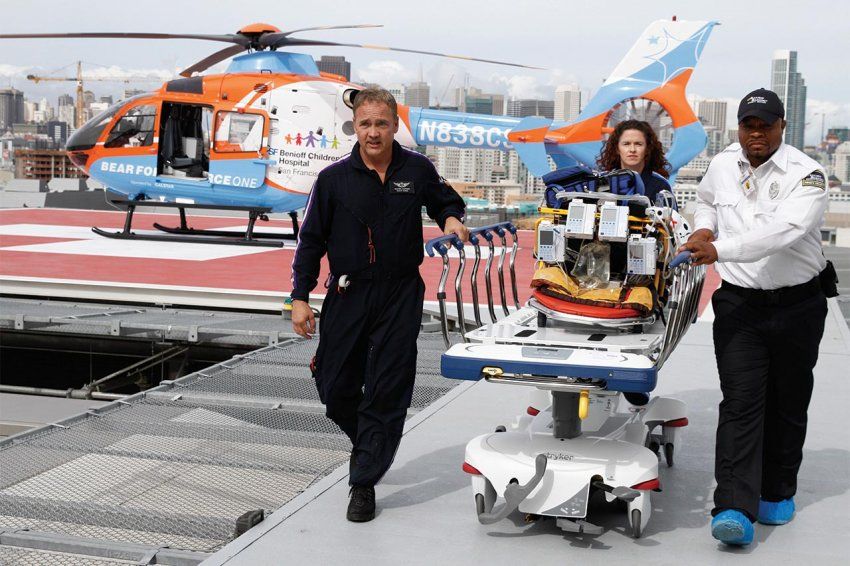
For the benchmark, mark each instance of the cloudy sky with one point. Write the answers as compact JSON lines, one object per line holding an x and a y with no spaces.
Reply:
{"x":575,"y":41}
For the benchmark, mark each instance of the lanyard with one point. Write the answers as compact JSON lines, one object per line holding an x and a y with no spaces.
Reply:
{"x":748,"y":178}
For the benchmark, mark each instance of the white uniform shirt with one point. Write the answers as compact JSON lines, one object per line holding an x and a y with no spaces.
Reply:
{"x":766,"y":220}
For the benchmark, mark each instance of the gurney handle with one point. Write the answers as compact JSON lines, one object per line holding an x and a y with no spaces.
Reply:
{"x":498,"y":229}
{"x":437,"y":244}
{"x":683,"y":257}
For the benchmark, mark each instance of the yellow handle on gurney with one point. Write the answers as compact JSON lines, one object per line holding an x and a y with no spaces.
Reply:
{"x":583,"y":404}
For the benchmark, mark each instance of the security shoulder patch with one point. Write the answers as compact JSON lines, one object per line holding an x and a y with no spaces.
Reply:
{"x":402,"y":188}
{"x":814,"y":179}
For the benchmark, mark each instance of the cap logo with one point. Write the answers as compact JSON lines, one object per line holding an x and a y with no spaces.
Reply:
{"x":756,"y":100}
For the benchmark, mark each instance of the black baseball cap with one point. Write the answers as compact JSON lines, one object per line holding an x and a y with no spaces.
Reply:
{"x":761,"y":103}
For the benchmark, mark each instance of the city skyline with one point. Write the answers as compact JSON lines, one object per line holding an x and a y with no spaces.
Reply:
{"x":735,"y":61}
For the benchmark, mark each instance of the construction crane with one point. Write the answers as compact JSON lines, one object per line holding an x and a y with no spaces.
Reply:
{"x":81,"y":91}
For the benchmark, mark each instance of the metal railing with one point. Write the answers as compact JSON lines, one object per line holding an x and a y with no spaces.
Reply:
{"x":443,"y":246}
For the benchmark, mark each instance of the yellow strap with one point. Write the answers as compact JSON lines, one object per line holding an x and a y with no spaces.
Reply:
{"x":583,"y":404}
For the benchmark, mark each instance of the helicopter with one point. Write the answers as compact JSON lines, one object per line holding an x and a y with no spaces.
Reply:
{"x":255,"y":138}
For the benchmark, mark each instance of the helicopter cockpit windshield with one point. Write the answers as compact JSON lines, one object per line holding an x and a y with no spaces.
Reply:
{"x":88,"y":134}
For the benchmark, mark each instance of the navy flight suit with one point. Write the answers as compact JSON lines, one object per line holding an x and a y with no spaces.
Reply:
{"x":365,"y":364}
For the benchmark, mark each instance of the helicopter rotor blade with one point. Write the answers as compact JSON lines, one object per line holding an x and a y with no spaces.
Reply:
{"x":285,"y":41}
{"x":319,"y":28}
{"x":227,"y":38}
{"x":211,"y":60}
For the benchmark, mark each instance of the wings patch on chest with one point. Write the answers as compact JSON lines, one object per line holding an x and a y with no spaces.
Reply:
{"x":402,"y":188}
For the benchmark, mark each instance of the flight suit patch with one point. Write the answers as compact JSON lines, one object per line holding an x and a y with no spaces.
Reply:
{"x":402,"y":188}
{"x":814,"y":179}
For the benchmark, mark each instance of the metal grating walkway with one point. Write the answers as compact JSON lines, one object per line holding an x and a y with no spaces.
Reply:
{"x":176,"y":465}
{"x":144,"y":322}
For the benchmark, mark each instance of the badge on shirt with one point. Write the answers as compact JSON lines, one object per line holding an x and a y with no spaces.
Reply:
{"x":814,"y":179}
{"x":402,"y":188}
{"x":773,"y":192}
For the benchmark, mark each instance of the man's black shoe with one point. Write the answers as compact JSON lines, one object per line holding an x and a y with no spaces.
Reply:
{"x":361,"y":508}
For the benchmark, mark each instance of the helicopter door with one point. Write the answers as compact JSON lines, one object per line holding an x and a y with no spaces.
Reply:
{"x":238,"y":148}
{"x":184,"y":142}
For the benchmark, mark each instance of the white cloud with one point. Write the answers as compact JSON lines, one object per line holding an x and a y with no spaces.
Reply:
{"x":385,"y":72}
{"x":826,"y":114}
{"x":116,"y":72}
{"x":7,"y":70}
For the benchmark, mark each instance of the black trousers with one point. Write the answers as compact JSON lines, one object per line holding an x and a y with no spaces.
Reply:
{"x":366,"y":366}
{"x":765,"y":356}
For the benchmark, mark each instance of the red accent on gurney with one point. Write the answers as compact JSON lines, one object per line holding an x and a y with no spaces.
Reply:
{"x":594,"y":311}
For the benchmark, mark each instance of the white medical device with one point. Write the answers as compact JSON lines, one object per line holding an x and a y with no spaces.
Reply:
{"x":613,"y":222}
{"x":642,"y":255}
{"x":581,"y":219}
{"x":550,"y":242}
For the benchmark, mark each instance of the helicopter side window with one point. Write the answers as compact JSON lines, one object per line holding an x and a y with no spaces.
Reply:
{"x":134,"y":129}
{"x":88,"y":134}
{"x":236,"y":132}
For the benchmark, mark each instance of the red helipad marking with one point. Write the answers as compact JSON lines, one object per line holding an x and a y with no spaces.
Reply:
{"x":268,"y":270}
{"x":712,"y":282}
{"x":8,"y":240}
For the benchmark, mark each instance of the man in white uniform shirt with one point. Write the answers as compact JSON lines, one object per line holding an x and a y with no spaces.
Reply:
{"x":759,"y":210}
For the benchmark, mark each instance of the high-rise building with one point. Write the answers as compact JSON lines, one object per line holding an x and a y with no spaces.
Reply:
{"x":130,"y":92}
{"x":30,"y":108}
{"x":335,"y":64}
{"x":65,"y":100}
{"x":58,"y":131}
{"x":712,"y":114}
{"x":567,"y":102}
{"x":789,"y":85}
{"x":417,"y":94}
{"x":841,"y":162}
{"x":11,"y":107}
{"x":731,"y":136}
{"x":397,"y":90}
{"x":843,"y":134}
{"x":66,"y":113}
{"x":475,"y":101}
{"x":530,"y":107}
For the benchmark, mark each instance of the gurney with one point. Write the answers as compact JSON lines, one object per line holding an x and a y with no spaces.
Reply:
{"x":589,"y":362}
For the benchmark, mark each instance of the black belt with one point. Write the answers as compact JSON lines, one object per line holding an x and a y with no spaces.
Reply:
{"x":374,"y":274}
{"x":776,"y":297}
{"x":385,"y":273}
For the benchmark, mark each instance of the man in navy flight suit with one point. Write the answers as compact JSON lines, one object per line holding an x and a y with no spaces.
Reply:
{"x":365,"y":213}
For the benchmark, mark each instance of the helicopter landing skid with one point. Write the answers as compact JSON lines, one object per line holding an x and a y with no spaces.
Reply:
{"x":184,"y":233}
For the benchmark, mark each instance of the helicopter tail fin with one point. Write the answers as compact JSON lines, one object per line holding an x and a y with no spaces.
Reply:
{"x":654,"y":72}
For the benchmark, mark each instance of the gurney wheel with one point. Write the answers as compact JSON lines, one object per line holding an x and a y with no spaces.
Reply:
{"x":652,"y":444}
{"x":479,"y":503}
{"x":635,"y":520}
{"x":668,"y":454}
{"x":541,"y":320}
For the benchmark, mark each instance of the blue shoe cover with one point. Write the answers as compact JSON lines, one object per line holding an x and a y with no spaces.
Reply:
{"x":732,"y":527}
{"x":776,"y":512}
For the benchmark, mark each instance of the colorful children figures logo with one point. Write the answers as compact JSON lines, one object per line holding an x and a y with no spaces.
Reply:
{"x":311,"y":138}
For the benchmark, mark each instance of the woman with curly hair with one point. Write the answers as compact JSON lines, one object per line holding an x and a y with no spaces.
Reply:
{"x":634,"y":145}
